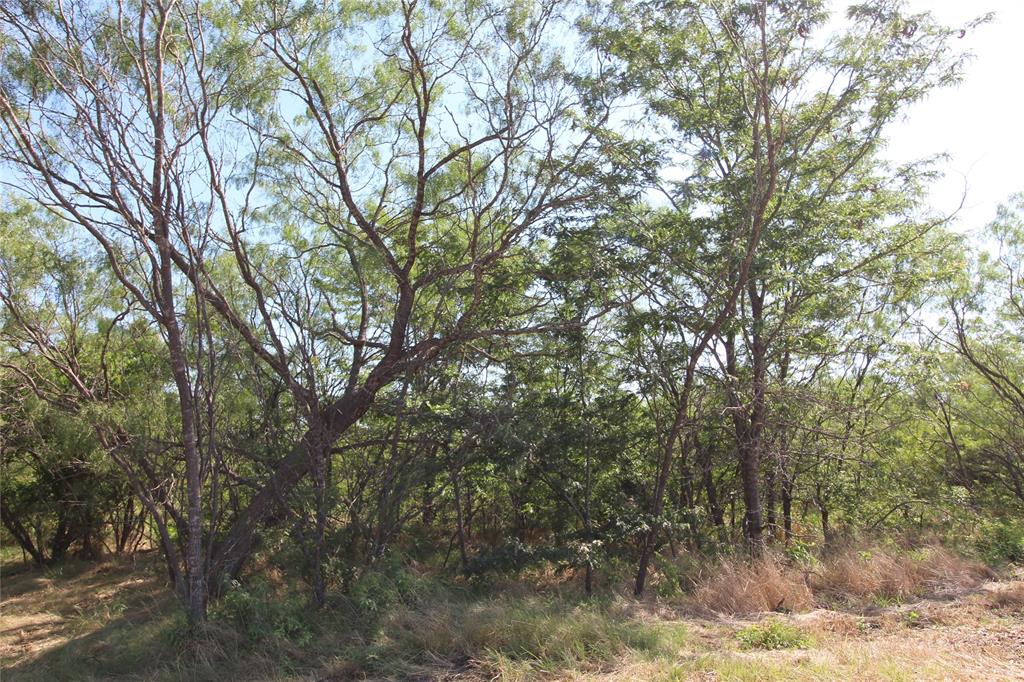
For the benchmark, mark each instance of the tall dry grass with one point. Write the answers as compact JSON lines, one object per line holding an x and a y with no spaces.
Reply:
{"x":871,"y":573}
{"x":738,"y":587}
{"x":850,"y":575}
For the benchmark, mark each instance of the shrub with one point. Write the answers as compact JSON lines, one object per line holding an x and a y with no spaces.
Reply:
{"x":773,"y":634}
{"x":1001,"y":541}
{"x":800,"y":553}
{"x":514,"y":557}
{"x":387,"y":583}
{"x":260,"y":614}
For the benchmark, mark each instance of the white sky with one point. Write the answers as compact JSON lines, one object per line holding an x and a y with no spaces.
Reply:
{"x":980,"y":124}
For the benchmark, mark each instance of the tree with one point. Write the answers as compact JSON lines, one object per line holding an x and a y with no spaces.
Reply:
{"x":776,"y":136}
{"x":389,"y":198}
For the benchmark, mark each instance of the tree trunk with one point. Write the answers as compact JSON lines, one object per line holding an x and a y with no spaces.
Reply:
{"x":787,"y":509}
{"x":752,"y":523}
{"x":661,"y":482}
{"x":232,"y":551}
{"x":715,"y":510}
{"x":460,"y":527}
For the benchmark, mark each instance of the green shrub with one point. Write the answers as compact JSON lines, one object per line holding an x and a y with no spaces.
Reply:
{"x":260,"y":614}
{"x":514,"y":556}
{"x":1000,"y":541}
{"x":670,"y":582}
{"x":773,"y":634}
{"x":800,"y":552}
{"x":389,"y":582}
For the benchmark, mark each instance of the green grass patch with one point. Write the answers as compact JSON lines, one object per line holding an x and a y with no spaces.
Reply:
{"x":773,"y":634}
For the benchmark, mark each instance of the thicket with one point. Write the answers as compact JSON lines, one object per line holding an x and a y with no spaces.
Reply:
{"x":304,"y":291}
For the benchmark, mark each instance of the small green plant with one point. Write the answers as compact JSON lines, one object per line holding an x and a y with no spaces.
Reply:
{"x":913,"y":618}
{"x":386,"y":584}
{"x":773,"y":634}
{"x":800,"y":552}
{"x":670,"y":582}
{"x":885,"y":601}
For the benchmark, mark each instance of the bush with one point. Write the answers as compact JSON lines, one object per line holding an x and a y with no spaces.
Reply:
{"x":260,"y":614}
{"x":515,"y":556}
{"x":800,"y":553}
{"x":387,"y":583}
{"x":773,"y":634}
{"x":1000,"y":542}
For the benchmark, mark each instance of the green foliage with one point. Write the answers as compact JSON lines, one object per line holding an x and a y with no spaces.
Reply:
{"x":514,"y":556}
{"x":386,"y":584}
{"x":1000,"y":541}
{"x":773,"y":634}
{"x":455,"y":273}
{"x":670,"y":580}
{"x":800,"y":552}
{"x":263,"y":614}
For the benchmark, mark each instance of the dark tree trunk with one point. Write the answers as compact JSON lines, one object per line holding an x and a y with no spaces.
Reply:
{"x":661,"y":483}
{"x":715,"y":509}
{"x":460,"y":526}
{"x":752,"y":521}
{"x":748,"y":424}
{"x":22,"y":536}
{"x":787,"y":509}
{"x":771,"y":521}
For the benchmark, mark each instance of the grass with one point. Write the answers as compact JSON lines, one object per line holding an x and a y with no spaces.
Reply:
{"x":850,"y":577}
{"x":115,"y":620}
{"x":773,"y":634}
{"x":886,"y":576}
{"x":735,"y":587}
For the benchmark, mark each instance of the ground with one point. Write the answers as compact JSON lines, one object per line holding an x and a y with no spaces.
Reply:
{"x":115,"y":620}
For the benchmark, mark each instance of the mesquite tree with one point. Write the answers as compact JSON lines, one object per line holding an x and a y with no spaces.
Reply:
{"x":773,"y":136}
{"x":352,"y":193}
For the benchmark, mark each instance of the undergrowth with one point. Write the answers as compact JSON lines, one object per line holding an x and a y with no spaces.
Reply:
{"x":773,"y":634}
{"x":401,"y":621}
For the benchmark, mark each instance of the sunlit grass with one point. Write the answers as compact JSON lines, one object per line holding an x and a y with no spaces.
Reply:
{"x":117,"y":621}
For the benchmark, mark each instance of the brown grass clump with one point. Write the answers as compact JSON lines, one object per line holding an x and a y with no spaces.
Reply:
{"x":880,"y":573}
{"x":738,"y":587}
{"x":1007,"y":597}
{"x":851,"y":575}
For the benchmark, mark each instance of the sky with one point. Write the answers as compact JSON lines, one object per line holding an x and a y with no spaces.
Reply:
{"x":980,"y":123}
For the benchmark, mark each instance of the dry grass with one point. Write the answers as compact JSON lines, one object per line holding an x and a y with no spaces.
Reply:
{"x":858,"y":574}
{"x":855,"y":576}
{"x":737,"y":587}
{"x":1005,"y":596}
{"x":530,"y":633}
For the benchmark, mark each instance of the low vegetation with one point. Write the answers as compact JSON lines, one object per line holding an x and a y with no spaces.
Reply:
{"x":773,"y":634}
{"x":113,"y":619}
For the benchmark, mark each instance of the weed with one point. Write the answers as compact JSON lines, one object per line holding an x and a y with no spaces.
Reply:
{"x":800,"y":553}
{"x":884,"y":601}
{"x":773,"y":634}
